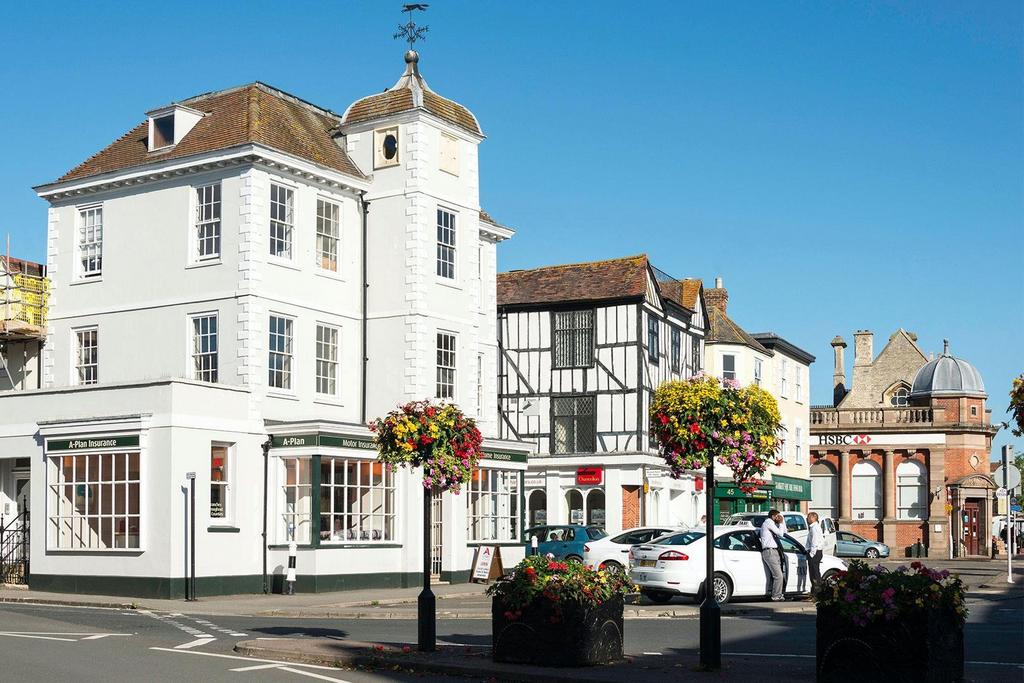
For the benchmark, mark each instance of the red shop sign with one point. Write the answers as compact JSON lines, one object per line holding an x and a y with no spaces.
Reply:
{"x":589,"y":475}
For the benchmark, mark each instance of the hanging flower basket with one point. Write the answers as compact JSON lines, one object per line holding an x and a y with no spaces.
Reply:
{"x":880,"y":625}
{"x":1017,"y":405}
{"x":555,"y":613}
{"x":701,"y":418}
{"x":436,"y":437}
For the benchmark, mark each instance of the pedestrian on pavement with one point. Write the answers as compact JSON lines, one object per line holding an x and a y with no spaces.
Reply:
{"x":771,"y":530}
{"x":815,"y":547}
{"x":703,"y":520}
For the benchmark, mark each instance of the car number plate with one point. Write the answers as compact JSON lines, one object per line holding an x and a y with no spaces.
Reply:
{"x":648,"y":563}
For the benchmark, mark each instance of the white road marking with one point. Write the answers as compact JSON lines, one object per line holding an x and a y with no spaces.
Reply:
{"x":97,"y":636}
{"x":238,"y":635}
{"x":657,"y":653}
{"x":245,"y":659}
{"x":1016,"y":664}
{"x":194,"y":643}
{"x":257,"y":667}
{"x":27,"y":635}
{"x":312,"y":675}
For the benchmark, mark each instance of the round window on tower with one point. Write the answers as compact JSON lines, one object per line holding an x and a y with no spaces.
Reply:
{"x":390,"y":146}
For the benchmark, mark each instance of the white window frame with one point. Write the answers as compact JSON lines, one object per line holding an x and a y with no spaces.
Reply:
{"x":783,"y":381}
{"x":733,"y":371}
{"x":207,"y":225}
{"x":364,"y":526}
{"x":492,"y":506}
{"x":758,"y":371}
{"x":911,"y":491}
{"x":799,"y":397}
{"x":285,"y":225}
{"x":301,"y":491}
{"x":443,"y":356}
{"x":225,"y":483}
{"x":328,"y":234}
{"x":78,"y":363}
{"x":197,"y":352}
{"x":68,"y":527}
{"x":327,"y":363}
{"x":89,"y":242}
{"x":859,"y":495}
{"x":479,"y":385}
{"x":799,"y":443}
{"x":447,"y":256}
{"x":288,"y":369}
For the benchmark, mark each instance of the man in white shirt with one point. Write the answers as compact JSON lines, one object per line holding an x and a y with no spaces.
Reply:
{"x":771,"y":553}
{"x":815,"y":547}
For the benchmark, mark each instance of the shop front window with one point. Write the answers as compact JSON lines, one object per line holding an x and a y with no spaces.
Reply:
{"x":574,"y":505}
{"x":357,"y":501}
{"x":595,"y":508}
{"x":492,"y":506}
{"x":297,"y":500}
{"x":94,"y":502}
{"x":538,"y":506}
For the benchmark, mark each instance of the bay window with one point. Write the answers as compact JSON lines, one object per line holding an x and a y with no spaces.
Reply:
{"x":93,"y":502}
{"x":357,"y":501}
{"x":492,"y":511}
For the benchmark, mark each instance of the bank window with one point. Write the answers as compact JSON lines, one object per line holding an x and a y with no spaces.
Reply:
{"x":492,"y":510}
{"x":328,"y":232}
{"x":758,"y":371}
{"x":87,"y":356}
{"x":90,"y":241}
{"x":93,"y":502}
{"x":282,"y":220}
{"x":327,"y":360}
{"x":297,"y":500}
{"x":729,"y":367}
{"x":280,"y":354}
{"x":911,"y":492}
{"x":676,"y":348}
{"x":357,"y":501}
{"x":205,"y":347}
{"x":575,"y":424}
{"x":445,"y":385}
{"x":653,"y":339}
{"x":445,"y":244}
{"x":866,"y":490}
{"x":207,"y":228}
{"x":219,"y":478}
{"x":573,"y":338}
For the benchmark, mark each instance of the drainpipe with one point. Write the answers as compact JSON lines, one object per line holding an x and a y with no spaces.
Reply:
{"x":365,"y":205}
{"x":266,"y":469}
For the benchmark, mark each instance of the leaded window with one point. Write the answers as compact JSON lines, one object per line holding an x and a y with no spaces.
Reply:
{"x":573,"y":339}
{"x":328,"y":232}
{"x":900,"y":398}
{"x":208,"y":222}
{"x":445,"y":244}
{"x":575,"y":424}
{"x":282,"y":220}
{"x":677,"y":342}
{"x":653,"y":337}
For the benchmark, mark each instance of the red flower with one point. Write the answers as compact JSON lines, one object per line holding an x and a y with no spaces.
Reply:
{"x":431,"y":412}
{"x":699,"y":445}
{"x":663,"y":418}
{"x":694,"y":428}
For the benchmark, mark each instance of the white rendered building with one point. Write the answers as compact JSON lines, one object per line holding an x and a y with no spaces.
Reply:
{"x":243,"y":268}
{"x":583,"y":347}
{"x":782,"y":369}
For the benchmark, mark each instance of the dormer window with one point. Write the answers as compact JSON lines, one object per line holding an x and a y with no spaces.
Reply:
{"x":163,"y":132}
{"x":168,"y":126}
{"x":900,"y":398}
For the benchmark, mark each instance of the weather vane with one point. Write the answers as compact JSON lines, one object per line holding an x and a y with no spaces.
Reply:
{"x":410,"y":32}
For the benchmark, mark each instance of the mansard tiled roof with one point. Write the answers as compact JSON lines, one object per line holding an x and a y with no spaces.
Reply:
{"x":620,"y":278}
{"x":411,"y":92}
{"x":254,"y":113}
{"x":723,"y":330}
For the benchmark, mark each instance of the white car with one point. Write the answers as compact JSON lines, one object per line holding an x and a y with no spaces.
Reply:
{"x":676,"y":565}
{"x":796,"y":526}
{"x":612,"y":552}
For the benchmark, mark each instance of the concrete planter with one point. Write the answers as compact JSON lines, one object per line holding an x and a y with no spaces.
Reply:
{"x":926,"y":645}
{"x":585,"y":636}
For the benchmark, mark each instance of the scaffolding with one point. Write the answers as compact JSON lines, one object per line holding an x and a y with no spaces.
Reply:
{"x":24,"y":299}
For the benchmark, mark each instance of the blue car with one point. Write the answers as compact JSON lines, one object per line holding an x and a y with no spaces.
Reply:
{"x":565,"y":541}
{"x":852,"y":545}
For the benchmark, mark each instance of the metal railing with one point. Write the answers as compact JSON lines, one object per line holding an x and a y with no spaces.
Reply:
{"x":14,"y":549}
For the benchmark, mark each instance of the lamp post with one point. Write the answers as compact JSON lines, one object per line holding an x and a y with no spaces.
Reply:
{"x":710,"y":612}
{"x":425,"y":603}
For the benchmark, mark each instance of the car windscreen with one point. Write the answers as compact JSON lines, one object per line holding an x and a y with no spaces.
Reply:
{"x":685,"y":538}
{"x":596,"y":533}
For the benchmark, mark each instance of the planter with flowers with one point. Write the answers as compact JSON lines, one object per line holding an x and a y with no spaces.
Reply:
{"x":880,"y":625}
{"x":555,"y":613}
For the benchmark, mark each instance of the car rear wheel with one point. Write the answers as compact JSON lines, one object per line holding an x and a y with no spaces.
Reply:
{"x":722,"y":587}
{"x":573,"y":558}
{"x":611,"y":566}
{"x":872,"y":553}
{"x":660,"y":597}
{"x":828,"y":575}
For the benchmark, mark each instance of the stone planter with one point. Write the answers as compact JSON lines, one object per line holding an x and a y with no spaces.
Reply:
{"x":925,"y":646}
{"x":583,"y":637}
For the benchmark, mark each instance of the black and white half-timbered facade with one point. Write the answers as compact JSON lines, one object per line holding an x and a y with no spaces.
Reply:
{"x":582,"y":347}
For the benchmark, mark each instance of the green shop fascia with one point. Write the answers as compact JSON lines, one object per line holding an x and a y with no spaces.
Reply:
{"x":782,"y":493}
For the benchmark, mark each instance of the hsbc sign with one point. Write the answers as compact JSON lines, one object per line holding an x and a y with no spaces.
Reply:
{"x":843,"y":439}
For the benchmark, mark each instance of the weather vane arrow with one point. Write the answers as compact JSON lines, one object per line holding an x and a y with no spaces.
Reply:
{"x":409,"y":31}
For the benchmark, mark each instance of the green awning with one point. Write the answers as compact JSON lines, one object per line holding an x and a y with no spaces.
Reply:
{"x":789,"y":488}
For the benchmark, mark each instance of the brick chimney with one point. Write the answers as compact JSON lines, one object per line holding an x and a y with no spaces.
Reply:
{"x":717,"y":297}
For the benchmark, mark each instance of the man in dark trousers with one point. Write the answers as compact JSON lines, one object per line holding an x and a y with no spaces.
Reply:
{"x":815,"y":547}
{"x":771,"y":552}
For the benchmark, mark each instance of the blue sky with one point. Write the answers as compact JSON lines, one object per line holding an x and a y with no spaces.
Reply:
{"x":841,"y":165}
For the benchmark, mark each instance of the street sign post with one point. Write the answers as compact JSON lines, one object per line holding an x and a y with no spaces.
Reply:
{"x":1011,"y":475}
{"x":1005,"y":476}
{"x":1001,"y":492}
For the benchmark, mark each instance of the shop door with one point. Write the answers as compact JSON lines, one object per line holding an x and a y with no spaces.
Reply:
{"x":436,"y":535}
{"x":971,"y":527}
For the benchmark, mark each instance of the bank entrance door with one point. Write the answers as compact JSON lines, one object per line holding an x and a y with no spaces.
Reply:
{"x":971,"y":527}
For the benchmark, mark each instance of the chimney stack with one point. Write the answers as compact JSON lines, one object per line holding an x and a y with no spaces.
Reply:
{"x":839,"y":373}
{"x":945,"y":347}
{"x":863,"y":343}
{"x":717,"y":297}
